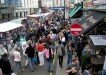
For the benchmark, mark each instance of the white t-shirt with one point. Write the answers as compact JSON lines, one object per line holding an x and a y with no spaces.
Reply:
{"x":63,"y":39}
{"x":24,"y":47}
{"x":17,"y":56}
{"x":104,"y":66}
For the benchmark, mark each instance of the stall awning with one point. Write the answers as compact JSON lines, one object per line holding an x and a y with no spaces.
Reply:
{"x":19,"y":20}
{"x":39,"y":15}
{"x":4,"y":27}
{"x":98,"y":40}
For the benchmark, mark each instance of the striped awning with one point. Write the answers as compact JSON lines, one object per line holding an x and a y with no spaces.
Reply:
{"x":98,"y":40}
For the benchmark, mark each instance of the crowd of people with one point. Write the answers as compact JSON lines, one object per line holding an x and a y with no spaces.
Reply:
{"x":44,"y":41}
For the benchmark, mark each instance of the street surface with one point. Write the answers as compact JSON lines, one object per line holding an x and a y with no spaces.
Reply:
{"x":38,"y":70}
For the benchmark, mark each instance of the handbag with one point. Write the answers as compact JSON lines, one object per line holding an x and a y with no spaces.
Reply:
{"x":34,"y":59}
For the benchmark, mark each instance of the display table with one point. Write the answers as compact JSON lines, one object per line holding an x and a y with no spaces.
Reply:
{"x":95,"y":60}
{"x":97,"y":63}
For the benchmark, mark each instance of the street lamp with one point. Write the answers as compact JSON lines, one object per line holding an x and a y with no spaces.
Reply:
{"x":64,"y":11}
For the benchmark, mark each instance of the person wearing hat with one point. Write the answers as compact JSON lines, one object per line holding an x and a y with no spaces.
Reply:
{"x":73,"y":68}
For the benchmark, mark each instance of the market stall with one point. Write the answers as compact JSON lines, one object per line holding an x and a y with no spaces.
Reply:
{"x":98,"y":43}
{"x":4,"y":27}
{"x":40,"y":17}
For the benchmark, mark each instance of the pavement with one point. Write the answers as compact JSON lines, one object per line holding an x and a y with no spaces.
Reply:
{"x":41,"y":70}
{"x":62,"y":71}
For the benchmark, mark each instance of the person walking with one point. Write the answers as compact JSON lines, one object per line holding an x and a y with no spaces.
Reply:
{"x":69,"y":52}
{"x":30,"y":53}
{"x":25,"y":55}
{"x":49,"y":57}
{"x":17,"y":60}
{"x":5,"y":65}
{"x":41,"y":52}
{"x":60,"y":53}
{"x":86,"y":57}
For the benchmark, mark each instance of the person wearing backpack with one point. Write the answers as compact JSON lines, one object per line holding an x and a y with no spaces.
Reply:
{"x":60,"y":53}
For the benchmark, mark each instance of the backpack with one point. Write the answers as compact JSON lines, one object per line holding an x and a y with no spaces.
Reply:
{"x":59,"y":51}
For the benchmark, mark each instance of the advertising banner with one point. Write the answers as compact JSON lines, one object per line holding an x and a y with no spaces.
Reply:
{"x":88,"y":4}
{"x":94,"y":4}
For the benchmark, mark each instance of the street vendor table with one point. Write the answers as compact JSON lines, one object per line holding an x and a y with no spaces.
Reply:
{"x":98,"y":43}
{"x":96,"y":60}
{"x":97,"y":63}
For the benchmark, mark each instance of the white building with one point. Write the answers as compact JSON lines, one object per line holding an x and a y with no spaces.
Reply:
{"x":27,"y":7}
{"x":54,"y":3}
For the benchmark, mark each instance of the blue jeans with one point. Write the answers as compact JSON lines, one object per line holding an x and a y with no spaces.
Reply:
{"x":50,"y":64}
{"x":17,"y":66}
{"x":30,"y":64}
{"x":69,"y":58}
{"x":104,"y":72}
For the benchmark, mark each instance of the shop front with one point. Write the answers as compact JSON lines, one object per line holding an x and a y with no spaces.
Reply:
{"x":98,"y":43}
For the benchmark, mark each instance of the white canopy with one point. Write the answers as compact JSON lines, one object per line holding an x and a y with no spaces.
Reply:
{"x":34,"y":15}
{"x":4,"y":27}
{"x":38,"y":15}
{"x":19,"y":20}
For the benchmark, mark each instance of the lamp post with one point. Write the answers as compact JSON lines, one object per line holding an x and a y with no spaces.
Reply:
{"x":64,"y":11}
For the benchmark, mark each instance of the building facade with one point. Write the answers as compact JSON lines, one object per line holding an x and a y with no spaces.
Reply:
{"x":6,"y":11}
{"x":55,"y":3}
{"x":27,"y":7}
{"x":11,"y":9}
